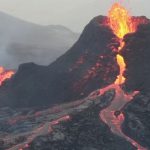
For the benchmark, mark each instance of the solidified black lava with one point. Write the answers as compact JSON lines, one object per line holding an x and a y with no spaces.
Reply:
{"x":137,"y":120}
{"x":137,"y":58}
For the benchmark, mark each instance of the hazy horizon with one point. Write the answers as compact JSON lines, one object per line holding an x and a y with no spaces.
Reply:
{"x":72,"y":14}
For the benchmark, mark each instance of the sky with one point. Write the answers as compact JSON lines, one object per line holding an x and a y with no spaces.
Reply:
{"x":72,"y":14}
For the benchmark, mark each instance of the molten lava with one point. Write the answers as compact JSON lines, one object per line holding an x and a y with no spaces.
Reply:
{"x":121,"y":24}
{"x":120,"y":78}
{"x":120,"y":21}
{"x":4,"y":75}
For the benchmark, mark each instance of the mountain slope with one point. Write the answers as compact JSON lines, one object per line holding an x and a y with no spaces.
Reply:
{"x":85,"y":67}
{"x":22,"y":42}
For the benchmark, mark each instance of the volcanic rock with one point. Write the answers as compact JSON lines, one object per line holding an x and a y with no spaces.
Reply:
{"x":137,"y":120}
{"x":137,"y":58}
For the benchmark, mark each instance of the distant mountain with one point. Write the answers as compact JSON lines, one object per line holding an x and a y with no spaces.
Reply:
{"x":21,"y":42}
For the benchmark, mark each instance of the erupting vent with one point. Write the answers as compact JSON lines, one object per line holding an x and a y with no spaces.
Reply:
{"x":120,"y":21}
{"x":121,"y":24}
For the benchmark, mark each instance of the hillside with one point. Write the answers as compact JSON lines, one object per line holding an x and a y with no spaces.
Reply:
{"x":85,"y":67}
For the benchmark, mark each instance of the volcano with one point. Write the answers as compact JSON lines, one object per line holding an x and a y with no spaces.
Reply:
{"x":83,"y":69}
{"x":92,"y":63}
{"x":111,"y":61}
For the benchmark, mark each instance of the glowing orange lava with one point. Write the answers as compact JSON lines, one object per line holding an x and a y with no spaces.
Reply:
{"x":120,"y":78}
{"x":121,"y":23}
{"x":4,"y":75}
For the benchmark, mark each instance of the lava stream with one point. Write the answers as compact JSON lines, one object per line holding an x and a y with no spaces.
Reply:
{"x":42,"y":130}
{"x":113,"y":116}
{"x":120,"y":78}
{"x":121,"y":24}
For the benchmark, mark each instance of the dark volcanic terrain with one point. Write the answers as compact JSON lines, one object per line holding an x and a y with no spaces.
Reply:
{"x":89,"y":65}
{"x":80,"y":127}
{"x":137,"y":57}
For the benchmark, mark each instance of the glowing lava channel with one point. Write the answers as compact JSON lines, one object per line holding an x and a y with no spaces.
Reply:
{"x":121,"y":24}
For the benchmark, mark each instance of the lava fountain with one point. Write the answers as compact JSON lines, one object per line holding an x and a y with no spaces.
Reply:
{"x":5,"y":74}
{"x":121,"y":24}
{"x":120,"y":21}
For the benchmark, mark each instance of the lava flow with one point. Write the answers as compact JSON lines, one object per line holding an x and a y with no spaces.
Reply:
{"x":121,"y":24}
{"x":5,"y":74}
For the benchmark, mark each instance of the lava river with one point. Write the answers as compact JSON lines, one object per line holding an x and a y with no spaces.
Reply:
{"x":121,"y":24}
